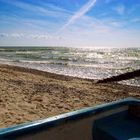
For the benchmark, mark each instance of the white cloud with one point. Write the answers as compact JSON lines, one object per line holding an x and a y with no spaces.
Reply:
{"x":83,"y":10}
{"x":120,"y":9}
{"x":35,"y":36}
{"x":135,"y":20}
{"x":12,"y":35}
{"x":40,"y":36}
{"x":3,"y":35}
{"x":16,"y":35}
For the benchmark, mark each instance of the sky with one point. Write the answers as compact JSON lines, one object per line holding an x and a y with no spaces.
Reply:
{"x":70,"y":23}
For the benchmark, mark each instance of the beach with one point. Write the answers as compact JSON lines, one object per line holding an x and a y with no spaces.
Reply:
{"x":28,"y":94}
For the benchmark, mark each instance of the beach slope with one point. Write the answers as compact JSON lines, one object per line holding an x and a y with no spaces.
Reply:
{"x":28,"y":95}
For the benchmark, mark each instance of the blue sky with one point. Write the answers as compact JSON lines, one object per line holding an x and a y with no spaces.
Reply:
{"x":74,"y":23}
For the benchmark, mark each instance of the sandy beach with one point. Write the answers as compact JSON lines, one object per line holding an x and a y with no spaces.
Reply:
{"x":28,"y":95}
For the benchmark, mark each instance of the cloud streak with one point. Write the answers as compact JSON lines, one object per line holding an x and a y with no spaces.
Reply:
{"x":83,"y":10}
{"x":46,"y":10}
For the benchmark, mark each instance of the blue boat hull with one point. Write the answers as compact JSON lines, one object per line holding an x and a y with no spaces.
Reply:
{"x":93,"y":123}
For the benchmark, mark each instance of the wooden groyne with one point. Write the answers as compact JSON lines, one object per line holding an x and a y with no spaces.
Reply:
{"x":125,"y":76}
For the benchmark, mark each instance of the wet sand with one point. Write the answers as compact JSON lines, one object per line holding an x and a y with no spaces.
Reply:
{"x":28,"y":95}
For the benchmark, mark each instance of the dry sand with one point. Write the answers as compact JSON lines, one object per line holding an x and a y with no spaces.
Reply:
{"x":27,"y":95}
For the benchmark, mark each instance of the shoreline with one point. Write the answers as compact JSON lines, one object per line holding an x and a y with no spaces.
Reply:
{"x":29,"y":94}
{"x":66,"y":77}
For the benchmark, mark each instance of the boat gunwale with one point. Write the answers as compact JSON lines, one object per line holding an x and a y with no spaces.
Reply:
{"x":42,"y":124}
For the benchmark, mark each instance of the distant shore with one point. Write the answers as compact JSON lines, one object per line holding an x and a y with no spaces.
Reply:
{"x":27,"y":94}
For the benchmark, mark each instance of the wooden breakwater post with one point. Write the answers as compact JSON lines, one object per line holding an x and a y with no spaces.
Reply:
{"x":125,"y":76}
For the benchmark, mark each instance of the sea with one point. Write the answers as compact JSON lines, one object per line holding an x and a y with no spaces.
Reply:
{"x":91,"y":63}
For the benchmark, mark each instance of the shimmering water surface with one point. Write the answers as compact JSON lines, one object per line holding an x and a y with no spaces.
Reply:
{"x":93,"y":63}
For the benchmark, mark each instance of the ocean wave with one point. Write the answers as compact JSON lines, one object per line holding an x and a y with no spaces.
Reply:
{"x":129,"y":58}
{"x":69,"y":64}
{"x":5,"y":60}
{"x":97,"y":66}
{"x":33,"y":62}
{"x":43,"y":62}
{"x":2,"y":49}
{"x":27,"y":52}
